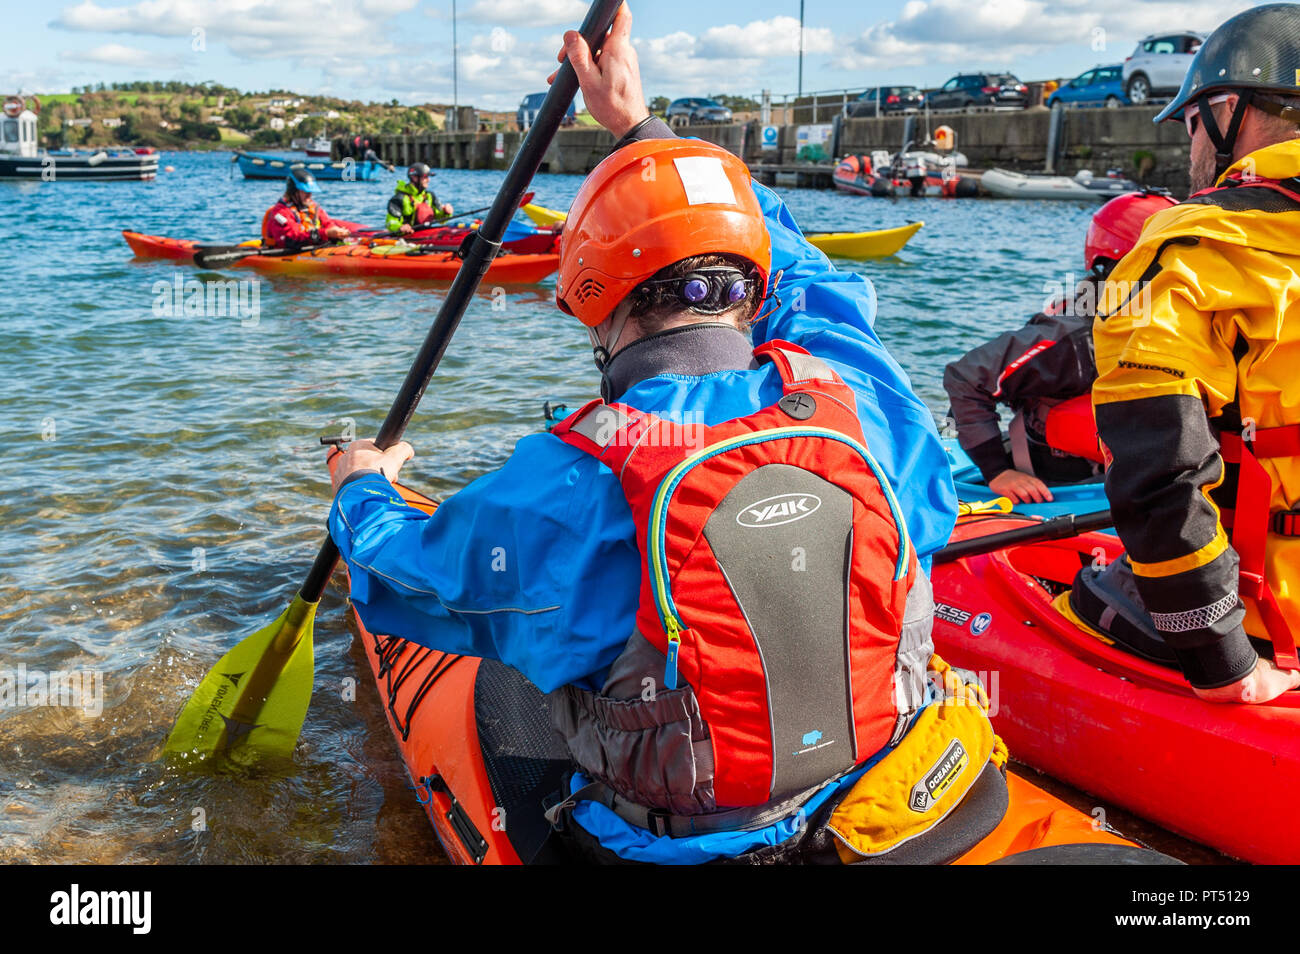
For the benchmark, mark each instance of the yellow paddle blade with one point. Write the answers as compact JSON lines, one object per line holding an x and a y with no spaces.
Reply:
{"x":253,"y":702}
{"x":544,"y":216}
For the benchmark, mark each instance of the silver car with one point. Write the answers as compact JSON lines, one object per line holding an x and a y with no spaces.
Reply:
{"x":1158,"y":65}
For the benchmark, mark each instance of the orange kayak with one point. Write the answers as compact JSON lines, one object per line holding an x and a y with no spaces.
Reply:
{"x":461,"y":724}
{"x":358,"y":260}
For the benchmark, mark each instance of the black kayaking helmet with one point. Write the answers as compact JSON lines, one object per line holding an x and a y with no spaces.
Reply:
{"x":300,"y":180}
{"x":1256,"y":52}
{"x":418,"y":169}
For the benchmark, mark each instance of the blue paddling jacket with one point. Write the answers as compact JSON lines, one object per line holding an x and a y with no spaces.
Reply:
{"x":537,"y":563}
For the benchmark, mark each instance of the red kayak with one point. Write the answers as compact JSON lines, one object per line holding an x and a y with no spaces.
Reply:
{"x":1101,"y":718}
{"x":359,"y":260}
{"x":475,"y":738}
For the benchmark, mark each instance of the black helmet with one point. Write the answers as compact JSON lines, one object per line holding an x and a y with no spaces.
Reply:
{"x":1255,"y":52}
{"x":300,"y":180}
{"x":418,"y":169}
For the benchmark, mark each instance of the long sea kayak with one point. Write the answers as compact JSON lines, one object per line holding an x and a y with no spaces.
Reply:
{"x":476,"y":741}
{"x":876,"y":244}
{"x":1103,"y":719}
{"x":359,"y":260}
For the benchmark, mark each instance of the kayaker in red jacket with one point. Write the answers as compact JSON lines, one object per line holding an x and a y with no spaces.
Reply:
{"x":296,"y":220}
{"x":1032,"y":369}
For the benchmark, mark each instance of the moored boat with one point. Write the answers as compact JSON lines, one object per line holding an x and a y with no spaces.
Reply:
{"x":255,"y":165}
{"x":909,"y":173}
{"x":21,"y":159}
{"x":1083,"y":185}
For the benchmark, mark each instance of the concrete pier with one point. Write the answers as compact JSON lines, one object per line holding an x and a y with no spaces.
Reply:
{"x":1096,"y":139}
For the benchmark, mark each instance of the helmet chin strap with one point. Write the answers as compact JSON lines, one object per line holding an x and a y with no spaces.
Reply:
{"x":602,"y":352}
{"x":1225,"y":143}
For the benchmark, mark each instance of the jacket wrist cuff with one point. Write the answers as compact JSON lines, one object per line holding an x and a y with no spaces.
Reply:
{"x":356,"y":475}
{"x":991,"y":457}
{"x":652,"y":127}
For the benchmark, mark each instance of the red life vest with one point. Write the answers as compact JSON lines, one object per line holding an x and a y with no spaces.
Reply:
{"x":776,"y":568}
{"x":308,"y":218}
{"x":1072,"y":428}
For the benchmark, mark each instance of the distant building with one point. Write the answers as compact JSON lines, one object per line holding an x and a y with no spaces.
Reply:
{"x":276,"y":123}
{"x":79,"y":123}
{"x":111,"y":122}
{"x":285,"y":102}
{"x":325,"y":114}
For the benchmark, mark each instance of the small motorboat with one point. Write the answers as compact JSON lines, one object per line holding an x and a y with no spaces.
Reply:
{"x":908,"y":173}
{"x":21,"y":159}
{"x":1083,"y":185}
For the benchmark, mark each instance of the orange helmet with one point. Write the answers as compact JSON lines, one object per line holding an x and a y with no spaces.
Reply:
{"x":650,"y":204}
{"x":1117,"y":224}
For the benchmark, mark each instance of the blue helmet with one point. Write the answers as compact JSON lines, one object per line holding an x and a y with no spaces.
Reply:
{"x":301,"y":180}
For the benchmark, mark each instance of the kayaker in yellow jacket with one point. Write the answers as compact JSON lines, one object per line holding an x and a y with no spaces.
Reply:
{"x":1198,"y":345}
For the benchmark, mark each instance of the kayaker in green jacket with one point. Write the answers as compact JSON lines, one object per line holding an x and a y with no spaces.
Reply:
{"x":413,"y":205}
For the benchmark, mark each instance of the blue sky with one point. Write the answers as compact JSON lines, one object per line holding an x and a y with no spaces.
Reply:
{"x":381,"y":49}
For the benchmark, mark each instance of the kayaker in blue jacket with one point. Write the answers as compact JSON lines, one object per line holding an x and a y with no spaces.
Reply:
{"x":537,"y":564}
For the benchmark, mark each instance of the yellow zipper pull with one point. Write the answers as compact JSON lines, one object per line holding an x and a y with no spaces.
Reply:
{"x":674,"y":632}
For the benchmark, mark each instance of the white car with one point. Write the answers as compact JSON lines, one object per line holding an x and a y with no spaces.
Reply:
{"x":1158,"y":65}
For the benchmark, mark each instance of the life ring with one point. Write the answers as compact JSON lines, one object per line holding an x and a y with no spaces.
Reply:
{"x":13,"y":106}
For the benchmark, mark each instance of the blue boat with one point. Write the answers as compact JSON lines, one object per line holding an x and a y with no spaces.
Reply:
{"x":1088,"y":497}
{"x":255,"y":165}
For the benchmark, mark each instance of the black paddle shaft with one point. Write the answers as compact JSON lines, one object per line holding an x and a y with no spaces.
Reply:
{"x":1054,"y":528}
{"x":484,"y":247}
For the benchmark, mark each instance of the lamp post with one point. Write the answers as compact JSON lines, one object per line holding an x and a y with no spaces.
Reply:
{"x":800,"y":47}
{"x":455,"y":94}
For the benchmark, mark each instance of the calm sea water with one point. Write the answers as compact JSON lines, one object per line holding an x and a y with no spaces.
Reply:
{"x":163,"y":490}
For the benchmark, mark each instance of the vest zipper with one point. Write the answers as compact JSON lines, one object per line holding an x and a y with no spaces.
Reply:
{"x":656,"y":544}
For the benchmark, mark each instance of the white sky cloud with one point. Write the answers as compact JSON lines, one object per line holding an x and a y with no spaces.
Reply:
{"x":115,"y":54}
{"x":532,"y":12}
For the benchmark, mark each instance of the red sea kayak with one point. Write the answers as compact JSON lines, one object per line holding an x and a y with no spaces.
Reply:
{"x":359,"y":260}
{"x":1107,"y":721}
{"x":476,"y":742}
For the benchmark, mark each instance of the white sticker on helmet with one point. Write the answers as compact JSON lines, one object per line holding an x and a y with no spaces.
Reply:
{"x":704,"y":180}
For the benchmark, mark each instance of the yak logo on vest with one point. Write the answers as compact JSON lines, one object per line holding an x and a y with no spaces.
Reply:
{"x":774,"y":511}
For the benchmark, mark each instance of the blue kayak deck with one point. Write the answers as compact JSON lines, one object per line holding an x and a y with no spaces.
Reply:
{"x":1067,"y":498}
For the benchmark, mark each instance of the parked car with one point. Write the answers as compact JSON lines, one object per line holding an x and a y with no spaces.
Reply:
{"x":896,"y":99}
{"x":1103,"y":86}
{"x":1158,"y":65}
{"x":980,"y":89}
{"x":526,"y":115}
{"x":694,"y":110}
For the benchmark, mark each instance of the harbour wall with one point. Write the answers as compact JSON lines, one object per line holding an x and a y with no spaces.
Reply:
{"x":1097,"y":139}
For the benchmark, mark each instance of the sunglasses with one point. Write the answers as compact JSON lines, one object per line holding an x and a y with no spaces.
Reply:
{"x":1192,"y":114}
